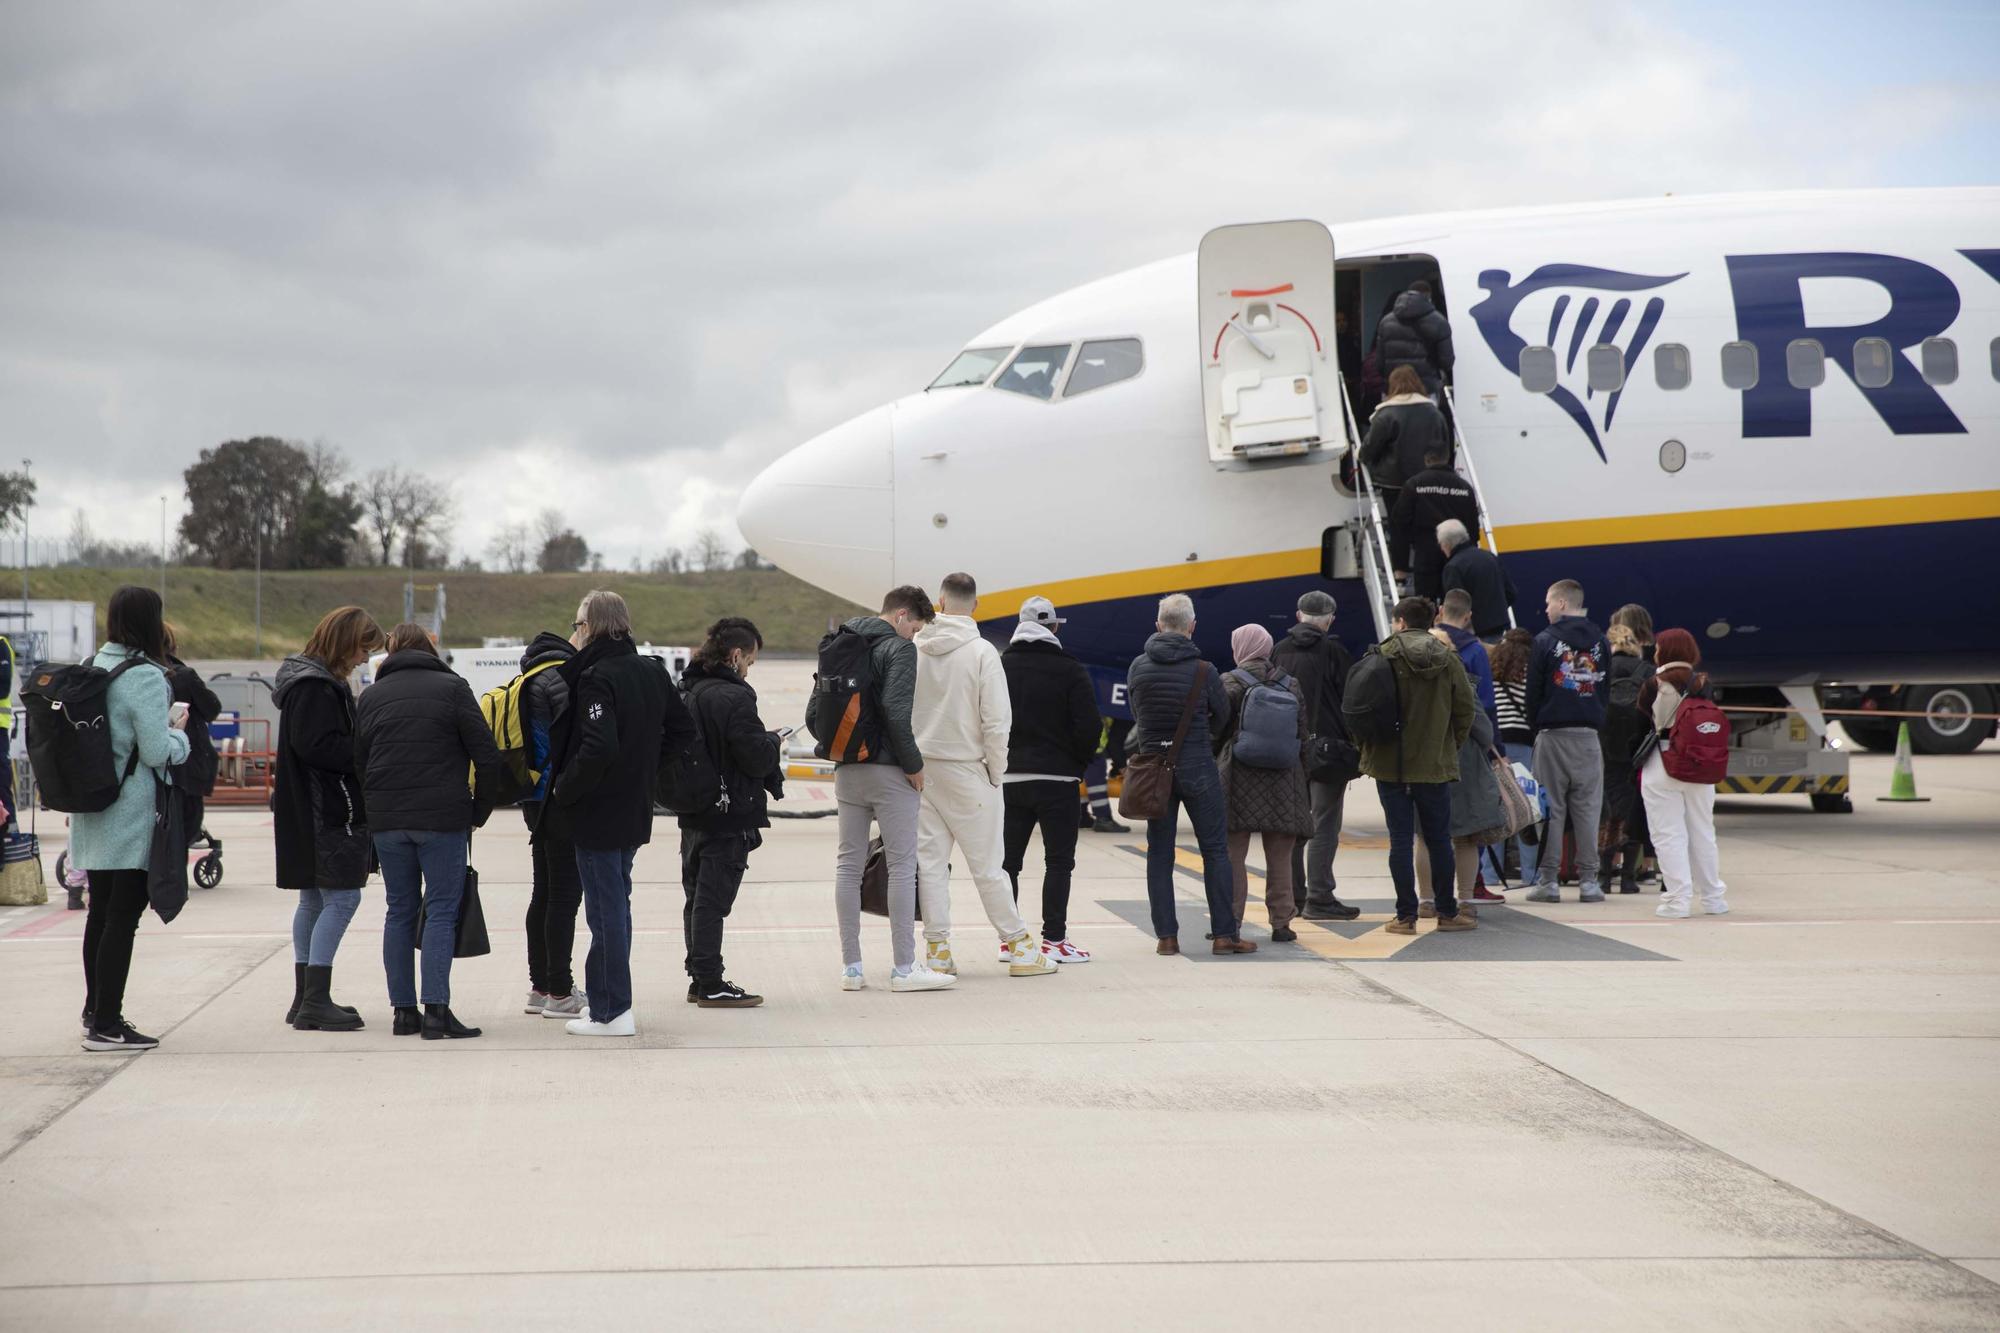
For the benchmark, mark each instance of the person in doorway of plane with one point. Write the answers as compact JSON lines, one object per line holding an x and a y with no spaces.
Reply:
{"x":1415,"y":335}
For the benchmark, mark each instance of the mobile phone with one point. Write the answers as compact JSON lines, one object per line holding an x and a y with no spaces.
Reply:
{"x":785,"y":733}
{"x":178,"y":712}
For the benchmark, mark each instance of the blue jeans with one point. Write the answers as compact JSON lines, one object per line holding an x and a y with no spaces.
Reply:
{"x":1198,"y":786}
{"x":1410,"y":806}
{"x":421,"y":869}
{"x":607,"y":906}
{"x":319,"y":921}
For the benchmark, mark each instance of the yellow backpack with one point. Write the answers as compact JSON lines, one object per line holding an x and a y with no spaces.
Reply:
{"x":505,"y":711}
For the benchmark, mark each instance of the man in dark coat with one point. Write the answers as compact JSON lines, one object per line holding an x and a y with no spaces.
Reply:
{"x":1414,"y":333}
{"x":1054,"y":738}
{"x":1160,"y":683}
{"x":625,"y":717}
{"x":1479,"y":574}
{"x":716,"y":844}
{"x":1428,"y":499}
{"x":1310,"y":654}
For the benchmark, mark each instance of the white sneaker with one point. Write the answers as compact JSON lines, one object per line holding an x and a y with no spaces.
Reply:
{"x":1026,"y":959}
{"x":1006,"y":954}
{"x":1065,"y":952}
{"x":1716,"y":908}
{"x":1672,"y":911}
{"x":852,"y":979}
{"x":937,"y":957}
{"x":921,"y":978}
{"x":622,"y":1026}
{"x":573,"y":1005}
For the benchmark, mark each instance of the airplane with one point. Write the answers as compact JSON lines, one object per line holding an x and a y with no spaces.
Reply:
{"x":1645,"y":386}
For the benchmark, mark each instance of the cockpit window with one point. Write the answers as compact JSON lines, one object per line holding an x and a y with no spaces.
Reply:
{"x":972,"y":366}
{"x":1034,"y":371}
{"x":1104,"y":362}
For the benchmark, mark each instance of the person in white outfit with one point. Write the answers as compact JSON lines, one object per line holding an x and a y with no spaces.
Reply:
{"x":961,"y":718}
{"x":1680,"y":814}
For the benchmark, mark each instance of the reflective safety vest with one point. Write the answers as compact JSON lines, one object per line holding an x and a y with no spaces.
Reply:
{"x":7,"y":702}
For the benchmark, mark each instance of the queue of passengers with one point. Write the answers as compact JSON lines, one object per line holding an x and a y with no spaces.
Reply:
{"x":941,"y":743}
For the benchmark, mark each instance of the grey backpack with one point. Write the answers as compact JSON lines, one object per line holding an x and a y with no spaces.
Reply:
{"x":1269,"y":734}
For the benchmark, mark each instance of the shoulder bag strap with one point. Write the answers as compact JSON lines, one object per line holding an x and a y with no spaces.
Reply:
{"x":1187,"y":712}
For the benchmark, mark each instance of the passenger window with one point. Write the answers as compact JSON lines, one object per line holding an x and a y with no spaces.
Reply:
{"x":1874,"y":362}
{"x":1940,"y":361}
{"x":1605,"y":366}
{"x":1739,"y":365}
{"x":1993,"y":351}
{"x":1034,"y":371}
{"x":1805,"y":363}
{"x":1538,"y":369}
{"x":1673,"y":368}
{"x":1104,"y":362}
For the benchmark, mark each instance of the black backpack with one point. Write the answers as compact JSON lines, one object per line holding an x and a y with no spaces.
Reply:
{"x":847,"y":709}
{"x":69,"y":736}
{"x":1371,"y":710}
{"x":689,"y":783}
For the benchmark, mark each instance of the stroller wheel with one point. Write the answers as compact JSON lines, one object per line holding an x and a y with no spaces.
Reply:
{"x":208,"y":871}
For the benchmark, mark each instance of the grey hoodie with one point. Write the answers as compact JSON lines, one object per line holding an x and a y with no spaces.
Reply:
{"x":299,"y":667}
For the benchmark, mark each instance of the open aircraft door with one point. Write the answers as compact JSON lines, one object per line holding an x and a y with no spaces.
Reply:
{"x":1270,"y":387}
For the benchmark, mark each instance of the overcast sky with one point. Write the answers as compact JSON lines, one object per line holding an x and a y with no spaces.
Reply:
{"x":616,"y":257}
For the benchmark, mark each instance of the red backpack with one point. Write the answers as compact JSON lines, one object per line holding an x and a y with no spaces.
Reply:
{"x":1697,"y":749}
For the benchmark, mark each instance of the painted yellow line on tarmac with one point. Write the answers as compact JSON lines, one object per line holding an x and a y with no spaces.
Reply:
{"x":1316,"y":939}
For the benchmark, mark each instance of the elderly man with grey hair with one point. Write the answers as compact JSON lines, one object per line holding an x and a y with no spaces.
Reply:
{"x":1318,"y":661}
{"x":1168,"y":683}
{"x":1479,"y":574}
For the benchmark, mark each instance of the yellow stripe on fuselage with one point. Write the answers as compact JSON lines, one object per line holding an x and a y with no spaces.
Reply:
{"x":1751,"y":521}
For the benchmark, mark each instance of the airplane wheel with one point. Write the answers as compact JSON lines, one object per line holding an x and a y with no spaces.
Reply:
{"x":208,"y":870}
{"x":1832,"y":803}
{"x":1947,"y":726}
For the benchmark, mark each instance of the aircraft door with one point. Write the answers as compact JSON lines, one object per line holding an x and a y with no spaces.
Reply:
{"x":1270,"y":386}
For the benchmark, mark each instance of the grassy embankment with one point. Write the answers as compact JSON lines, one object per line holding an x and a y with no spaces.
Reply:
{"x":214,"y":609}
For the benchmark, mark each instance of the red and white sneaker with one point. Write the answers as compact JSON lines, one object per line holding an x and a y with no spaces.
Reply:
{"x":1064,"y":952}
{"x":1006,"y":953}
{"x":1482,"y":894}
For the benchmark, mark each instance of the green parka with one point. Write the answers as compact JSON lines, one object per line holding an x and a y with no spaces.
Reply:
{"x":1437,"y":712}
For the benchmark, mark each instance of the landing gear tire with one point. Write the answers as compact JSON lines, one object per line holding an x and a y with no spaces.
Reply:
{"x":1947,"y":725}
{"x":1832,"y":803}
{"x":1877,"y":736}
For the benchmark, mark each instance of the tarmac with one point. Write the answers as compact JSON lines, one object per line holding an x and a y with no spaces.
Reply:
{"x":1576,"y":1116}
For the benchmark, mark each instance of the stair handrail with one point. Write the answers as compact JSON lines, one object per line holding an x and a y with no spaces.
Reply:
{"x":1378,"y":565}
{"x":1462,"y":458}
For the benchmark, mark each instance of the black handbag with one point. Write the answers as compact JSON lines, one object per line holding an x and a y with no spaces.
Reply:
{"x":166,"y":861}
{"x":469,"y":940}
{"x":875,"y":883}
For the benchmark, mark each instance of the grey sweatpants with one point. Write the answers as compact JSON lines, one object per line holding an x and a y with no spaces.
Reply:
{"x":1569,"y":765}
{"x":876,"y":794}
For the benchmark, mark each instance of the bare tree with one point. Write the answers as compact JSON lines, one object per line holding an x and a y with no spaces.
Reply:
{"x":82,"y":541}
{"x":512,"y":547}
{"x":550,"y":524}
{"x":710,"y":551}
{"x":670,"y":561}
{"x":406,"y":506}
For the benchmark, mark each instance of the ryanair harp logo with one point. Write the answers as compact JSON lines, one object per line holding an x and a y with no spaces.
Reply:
{"x":1568,"y":325}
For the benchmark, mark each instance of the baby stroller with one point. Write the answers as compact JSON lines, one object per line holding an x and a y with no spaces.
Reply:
{"x":205,"y":870}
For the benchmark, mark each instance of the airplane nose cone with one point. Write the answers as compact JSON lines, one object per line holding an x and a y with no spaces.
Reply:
{"x":826,"y":510}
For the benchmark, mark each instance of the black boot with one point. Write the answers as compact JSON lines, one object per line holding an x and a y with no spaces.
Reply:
{"x":1628,"y":875}
{"x":409,"y":1021}
{"x":1331,"y":910}
{"x":299,"y":993}
{"x":317,"y":1011}
{"x":439,"y":1023}
{"x":76,"y":902}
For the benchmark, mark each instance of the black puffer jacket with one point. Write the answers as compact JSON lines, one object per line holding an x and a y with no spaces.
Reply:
{"x":544,"y":704}
{"x":418,"y":739}
{"x":1415,"y":334}
{"x":749,"y":757}
{"x":1056,"y":722}
{"x":625,"y":715}
{"x":1624,"y":728}
{"x":1320,"y":663}
{"x":317,"y":816}
{"x":1402,"y":433}
{"x":1157,"y":684}
{"x":197,"y":775}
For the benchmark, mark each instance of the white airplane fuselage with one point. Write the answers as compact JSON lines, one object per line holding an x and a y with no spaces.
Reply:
{"x":1844,"y":529}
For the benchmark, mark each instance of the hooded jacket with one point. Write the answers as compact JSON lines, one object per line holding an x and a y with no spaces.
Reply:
{"x":1056,"y":722}
{"x":121,"y":837}
{"x":318,"y":817}
{"x":748,"y":756}
{"x":625,"y":716}
{"x":418,"y":739}
{"x":544,"y":704}
{"x":894,"y":660}
{"x":1157,"y":684}
{"x":1264,"y":800}
{"x":1400,"y":433}
{"x":1320,"y":664}
{"x":1415,"y":334}
{"x":1478,"y":667}
{"x":1485,"y":580}
{"x":1437,"y":712}
{"x":962,"y":712}
{"x":1566,"y":676}
{"x":1428,"y":499}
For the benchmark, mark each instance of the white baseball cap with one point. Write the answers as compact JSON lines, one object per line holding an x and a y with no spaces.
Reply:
{"x":1040,"y":611}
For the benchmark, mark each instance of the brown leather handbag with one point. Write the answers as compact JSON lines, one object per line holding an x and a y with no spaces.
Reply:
{"x":1149,"y":775}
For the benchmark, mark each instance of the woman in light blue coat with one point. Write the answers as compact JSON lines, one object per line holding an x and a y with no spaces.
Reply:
{"x":115,"y":845}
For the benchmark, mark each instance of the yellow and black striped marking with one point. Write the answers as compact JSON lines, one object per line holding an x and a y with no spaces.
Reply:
{"x":1782,"y":785}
